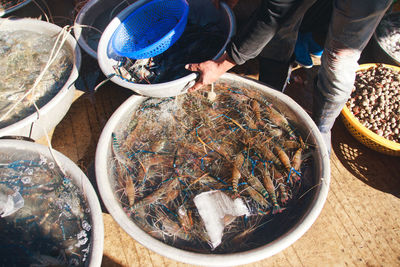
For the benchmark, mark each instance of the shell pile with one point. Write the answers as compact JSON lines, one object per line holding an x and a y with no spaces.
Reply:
{"x":375,"y":101}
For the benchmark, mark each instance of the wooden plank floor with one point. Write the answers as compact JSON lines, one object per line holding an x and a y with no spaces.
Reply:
{"x":358,"y":226}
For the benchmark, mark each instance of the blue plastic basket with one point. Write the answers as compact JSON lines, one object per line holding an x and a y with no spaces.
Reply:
{"x":151,"y":29}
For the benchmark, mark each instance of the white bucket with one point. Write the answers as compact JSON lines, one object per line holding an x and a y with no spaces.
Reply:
{"x":304,"y":220}
{"x":204,"y":10}
{"x":79,"y":180}
{"x":97,"y":14}
{"x":379,"y":50}
{"x":51,"y":113}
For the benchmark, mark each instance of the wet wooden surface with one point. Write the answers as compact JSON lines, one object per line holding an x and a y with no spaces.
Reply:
{"x":358,"y":226}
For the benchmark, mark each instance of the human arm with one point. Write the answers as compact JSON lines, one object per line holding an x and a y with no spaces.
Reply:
{"x":209,"y":71}
{"x":247,"y":44}
{"x":261,"y":28}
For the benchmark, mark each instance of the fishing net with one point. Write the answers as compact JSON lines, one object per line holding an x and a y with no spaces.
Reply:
{"x":45,"y":216}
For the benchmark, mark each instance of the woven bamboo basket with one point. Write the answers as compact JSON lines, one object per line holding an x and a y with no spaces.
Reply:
{"x":363,"y":134}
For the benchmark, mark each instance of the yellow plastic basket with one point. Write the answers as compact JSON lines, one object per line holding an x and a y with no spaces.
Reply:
{"x":363,"y":134}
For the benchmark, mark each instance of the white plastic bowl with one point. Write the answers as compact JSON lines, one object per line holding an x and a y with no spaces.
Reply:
{"x":52,"y":112}
{"x":90,"y":15}
{"x":305,"y":219}
{"x":380,"y":52}
{"x":80,"y":180}
{"x":204,"y":10}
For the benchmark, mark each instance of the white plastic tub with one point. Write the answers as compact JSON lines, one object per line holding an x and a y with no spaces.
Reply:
{"x":379,"y":49}
{"x":51,"y":113}
{"x":20,"y":149}
{"x":204,"y":12}
{"x":304,"y":220}
{"x":97,"y":14}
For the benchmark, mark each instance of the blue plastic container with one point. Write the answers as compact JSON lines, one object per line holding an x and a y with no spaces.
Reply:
{"x":151,"y":29}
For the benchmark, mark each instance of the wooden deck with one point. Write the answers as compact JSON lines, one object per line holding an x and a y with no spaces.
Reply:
{"x":358,"y":226}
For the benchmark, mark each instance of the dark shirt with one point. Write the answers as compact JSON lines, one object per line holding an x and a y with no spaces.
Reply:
{"x":261,"y":29}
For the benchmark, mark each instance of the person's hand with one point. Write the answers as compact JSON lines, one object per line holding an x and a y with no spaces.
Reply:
{"x":209,"y":71}
{"x":230,"y":3}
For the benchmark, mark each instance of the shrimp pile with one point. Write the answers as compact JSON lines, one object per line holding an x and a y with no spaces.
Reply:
{"x":176,"y":148}
{"x":24,"y":55}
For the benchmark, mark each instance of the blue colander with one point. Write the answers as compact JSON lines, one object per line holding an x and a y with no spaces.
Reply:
{"x":151,"y":29}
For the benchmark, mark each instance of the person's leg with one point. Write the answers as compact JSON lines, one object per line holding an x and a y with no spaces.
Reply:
{"x":274,"y":73}
{"x":302,"y":51}
{"x":316,"y":19}
{"x":313,"y":48}
{"x":276,"y":57}
{"x":352,"y":25}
